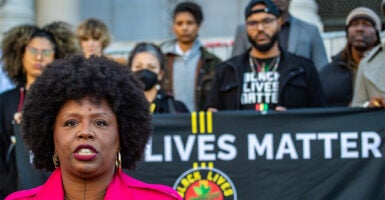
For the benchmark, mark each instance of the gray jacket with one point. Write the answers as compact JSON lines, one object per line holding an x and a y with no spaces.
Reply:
{"x":370,"y":79}
{"x":304,"y":40}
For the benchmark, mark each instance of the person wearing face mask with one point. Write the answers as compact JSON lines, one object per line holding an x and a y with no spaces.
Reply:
{"x":147,"y":62}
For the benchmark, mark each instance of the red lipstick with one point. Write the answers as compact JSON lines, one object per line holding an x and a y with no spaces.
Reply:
{"x":85,"y":152}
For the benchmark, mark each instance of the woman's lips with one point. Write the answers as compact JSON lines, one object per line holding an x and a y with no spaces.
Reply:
{"x":38,"y":66}
{"x":85,"y":153}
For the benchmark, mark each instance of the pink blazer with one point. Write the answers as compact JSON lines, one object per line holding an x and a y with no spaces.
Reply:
{"x":121,"y":186}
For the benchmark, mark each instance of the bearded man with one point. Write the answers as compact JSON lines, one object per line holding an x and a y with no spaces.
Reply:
{"x":363,"y":27}
{"x":265,"y":77}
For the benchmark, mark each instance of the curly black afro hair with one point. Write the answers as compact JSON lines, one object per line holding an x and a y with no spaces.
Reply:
{"x":72,"y":79}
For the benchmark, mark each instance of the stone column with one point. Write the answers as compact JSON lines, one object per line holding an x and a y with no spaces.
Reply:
{"x":16,"y":12}
{"x":48,"y":11}
{"x":307,"y":10}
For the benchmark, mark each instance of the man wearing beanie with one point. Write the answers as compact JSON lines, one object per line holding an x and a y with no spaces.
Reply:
{"x":369,"y":88}
{"x":362,"y":32}
{"x":265,"y":77}
{"x":296,"y":36}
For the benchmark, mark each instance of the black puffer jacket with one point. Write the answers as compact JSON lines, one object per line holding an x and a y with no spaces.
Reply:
{"x":337,"y":82}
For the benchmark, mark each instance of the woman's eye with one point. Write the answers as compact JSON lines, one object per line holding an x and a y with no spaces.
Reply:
{"x":152,"y":67}
{"x":137,"y":67}
{"x":101,"y":123}
{"x":70,"y":123}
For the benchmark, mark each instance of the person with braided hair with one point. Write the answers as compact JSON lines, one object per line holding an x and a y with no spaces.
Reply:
{"x":26,"y":51}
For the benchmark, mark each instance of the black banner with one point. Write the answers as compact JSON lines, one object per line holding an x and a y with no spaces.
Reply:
{"x":296,"y":154}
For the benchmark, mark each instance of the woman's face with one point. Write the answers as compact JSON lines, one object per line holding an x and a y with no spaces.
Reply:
{"x":91,"y":46}
{"x":38,"y":53}
{"x":86,"y":138}
{"x":146,"y":60}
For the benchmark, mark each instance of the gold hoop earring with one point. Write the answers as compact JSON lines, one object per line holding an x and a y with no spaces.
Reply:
{"x":55,"y":160}
{"x":118,"y":162}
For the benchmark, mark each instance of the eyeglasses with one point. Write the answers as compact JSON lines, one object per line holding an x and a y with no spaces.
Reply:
{"x":264,"y":22}
{"x":44,"y":53}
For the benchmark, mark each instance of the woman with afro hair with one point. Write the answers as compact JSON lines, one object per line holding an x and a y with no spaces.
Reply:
{"x":85,"y":119}
{"x":26,"y":50}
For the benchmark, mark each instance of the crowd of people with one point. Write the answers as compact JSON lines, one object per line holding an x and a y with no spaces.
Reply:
{"x":67,"y":91}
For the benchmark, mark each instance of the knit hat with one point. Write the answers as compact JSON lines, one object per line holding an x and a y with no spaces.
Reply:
{"x":270,"y":8}
{"x":367,"y":13}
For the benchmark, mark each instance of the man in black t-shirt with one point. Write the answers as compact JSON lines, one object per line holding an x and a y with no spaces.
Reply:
{"x":295,"y":36}
{"x":265,"y":76}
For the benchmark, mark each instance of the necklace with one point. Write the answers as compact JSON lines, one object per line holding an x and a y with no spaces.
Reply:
{"x":273,"y":65}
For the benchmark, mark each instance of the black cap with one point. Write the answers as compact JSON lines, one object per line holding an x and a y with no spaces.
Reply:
{"x":270,"y":8}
